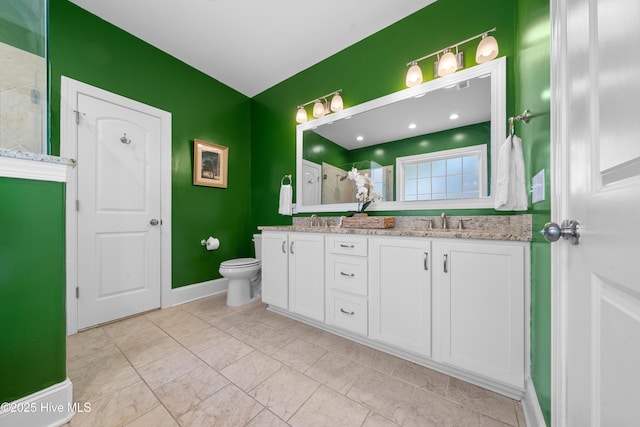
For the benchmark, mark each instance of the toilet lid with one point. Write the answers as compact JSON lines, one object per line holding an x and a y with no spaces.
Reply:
{"x":241,"y":262}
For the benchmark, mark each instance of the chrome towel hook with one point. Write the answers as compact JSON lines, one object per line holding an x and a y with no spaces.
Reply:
{"x":125,"y":140}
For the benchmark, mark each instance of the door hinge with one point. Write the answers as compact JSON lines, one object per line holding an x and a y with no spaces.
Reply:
{"x":78,"y":113}
{"x":77,"y":292}
{"x":77,"y":205}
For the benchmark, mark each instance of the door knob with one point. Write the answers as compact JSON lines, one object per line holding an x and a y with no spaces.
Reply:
{"x":154,"y":222}
{"x":552,"y":232}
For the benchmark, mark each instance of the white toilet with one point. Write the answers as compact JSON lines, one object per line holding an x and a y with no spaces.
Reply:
{"x":244,"y":276}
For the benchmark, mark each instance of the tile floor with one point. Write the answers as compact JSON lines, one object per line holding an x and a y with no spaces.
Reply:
{"x":205,"y":364}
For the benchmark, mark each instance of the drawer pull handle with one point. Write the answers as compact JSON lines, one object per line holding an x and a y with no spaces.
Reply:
{"x":342,"y":245}
{"x":291,"y":248}
{"x":446,"y":257}
{"x":350,"y":313}
{"x":284,"y":243}
{"x":342,"y":273}
{"x":426,"y":260}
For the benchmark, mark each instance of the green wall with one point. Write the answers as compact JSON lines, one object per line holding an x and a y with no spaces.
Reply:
{"x":88,"y":49}
{"x":22,"y":25}
{"x":376,"y":66}
{"x":32,"y":300}
{"x":318,"y":149}
{"x":533,"y":76}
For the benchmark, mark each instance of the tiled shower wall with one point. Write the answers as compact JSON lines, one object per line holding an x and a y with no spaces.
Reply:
{"x":23,"y":100}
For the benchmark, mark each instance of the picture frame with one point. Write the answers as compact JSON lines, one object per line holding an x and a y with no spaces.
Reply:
{"x":210,"y":164}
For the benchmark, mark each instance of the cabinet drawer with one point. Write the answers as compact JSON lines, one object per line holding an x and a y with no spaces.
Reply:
{"x":347,"y":245}
{"x":347,"y":273}
{"x":348,"y":312}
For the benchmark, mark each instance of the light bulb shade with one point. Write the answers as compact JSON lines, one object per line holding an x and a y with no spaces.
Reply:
{"x":336,"y":103}
{"x":448,"y":64}
{"x":318,"y":109}
{"x":301,"y":115}
{"x":487,"y":49}
{"x":414,"y":75}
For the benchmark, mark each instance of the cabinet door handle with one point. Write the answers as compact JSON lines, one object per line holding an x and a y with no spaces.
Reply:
{"x":284,"y":244}
{"x":342,"y":245}
{"x":426,"y":260}
{"x":291,"y":247}
{"x":342,"y":273}
{"x":350,"y":313}
{"x":446,"y":257}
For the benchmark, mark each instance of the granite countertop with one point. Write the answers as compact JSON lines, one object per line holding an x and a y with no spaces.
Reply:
{"x":510,"y":228}
{"x":37,"y":157}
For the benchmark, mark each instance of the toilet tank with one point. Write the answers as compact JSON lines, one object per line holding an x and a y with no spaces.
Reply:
{"x":257,"y":243}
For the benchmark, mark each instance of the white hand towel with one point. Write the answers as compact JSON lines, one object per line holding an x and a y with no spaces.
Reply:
{"x":511,"y":193}
{"x":286,"y":193}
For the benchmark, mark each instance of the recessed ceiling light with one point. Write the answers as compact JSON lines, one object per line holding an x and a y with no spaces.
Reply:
{"x":359,"y":138}
{"x":454,"y":116}
{"x":412,"y":126}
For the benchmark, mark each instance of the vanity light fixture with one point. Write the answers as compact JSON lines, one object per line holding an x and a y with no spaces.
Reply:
{"x":487,"y":49}
{"x":321,"y":106}
{"x":449,"y":62}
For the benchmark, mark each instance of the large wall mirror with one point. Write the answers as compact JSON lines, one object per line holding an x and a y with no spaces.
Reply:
{"x":426,"y":147}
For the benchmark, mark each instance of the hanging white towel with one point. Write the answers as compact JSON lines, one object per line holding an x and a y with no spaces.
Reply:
{"x":511,"y":192}
{"x":286,"y":193}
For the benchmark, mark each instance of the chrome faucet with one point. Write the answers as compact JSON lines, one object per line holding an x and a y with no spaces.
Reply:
{"x":315,"y":218}
{"x":444,"y":220}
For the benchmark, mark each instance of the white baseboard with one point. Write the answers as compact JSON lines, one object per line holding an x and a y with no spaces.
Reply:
{"x":531,"y":407}
{"x":196,"y":291}
{"x":50,"y":407}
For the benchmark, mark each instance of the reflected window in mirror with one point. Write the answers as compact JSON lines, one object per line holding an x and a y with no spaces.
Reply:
{"x":443,"y":175}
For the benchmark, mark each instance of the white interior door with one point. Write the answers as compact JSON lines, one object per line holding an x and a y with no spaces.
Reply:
{"x":118,"y":211}
{"x":597,"y":182}
{"x":311,"y":173}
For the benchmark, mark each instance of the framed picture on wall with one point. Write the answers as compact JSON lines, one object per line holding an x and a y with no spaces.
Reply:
{"x":210,"y":163}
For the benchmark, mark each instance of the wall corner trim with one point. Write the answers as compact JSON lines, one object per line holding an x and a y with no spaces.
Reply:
{"x":52,"y":406}
{"x":197,"y":291}
{"x":531,"y":407}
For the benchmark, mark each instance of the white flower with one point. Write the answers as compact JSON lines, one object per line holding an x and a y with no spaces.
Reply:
{"x":364,"y":189}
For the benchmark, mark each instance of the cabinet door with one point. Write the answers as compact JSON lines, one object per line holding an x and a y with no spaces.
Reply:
{"x":275,"y":269}
{"x":482,"y":307}
{"x":306,"y":275}
{"x":400,"y":293}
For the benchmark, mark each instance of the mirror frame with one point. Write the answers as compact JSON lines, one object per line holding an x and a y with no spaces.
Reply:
{"x":497,"y":71}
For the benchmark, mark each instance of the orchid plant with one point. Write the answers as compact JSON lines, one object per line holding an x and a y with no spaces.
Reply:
{"x":364,"y":193}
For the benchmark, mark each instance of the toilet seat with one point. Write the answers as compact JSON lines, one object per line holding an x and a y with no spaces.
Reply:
{"x":240,"y":262}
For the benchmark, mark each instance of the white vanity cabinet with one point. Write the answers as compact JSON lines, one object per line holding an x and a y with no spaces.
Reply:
{"x":482,"y":307}
{"x":293,"y":272}
{"x":306,"y":275}
{"x":400,"y":293}
{"x":275,"y":269}
{"x":347,"y":283}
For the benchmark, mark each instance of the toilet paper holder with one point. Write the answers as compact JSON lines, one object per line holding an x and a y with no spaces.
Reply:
{"x":210,"y":243}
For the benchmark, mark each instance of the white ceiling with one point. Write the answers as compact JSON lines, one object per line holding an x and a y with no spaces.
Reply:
{"x":251,"y":45}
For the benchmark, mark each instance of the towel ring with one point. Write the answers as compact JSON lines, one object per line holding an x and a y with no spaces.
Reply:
{"x":286,"y":177}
